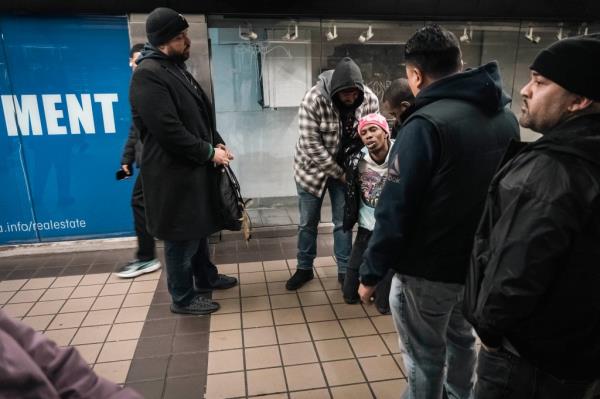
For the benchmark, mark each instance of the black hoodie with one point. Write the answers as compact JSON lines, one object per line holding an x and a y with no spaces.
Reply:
{"x":440,"y":167}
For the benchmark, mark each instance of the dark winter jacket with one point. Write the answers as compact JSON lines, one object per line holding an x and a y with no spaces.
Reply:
{"x":132,"y":151}
{"x":440,"y":167}
{"x":352,"y":195}
{"x":534,"y":277}
{"x":177,"y":126}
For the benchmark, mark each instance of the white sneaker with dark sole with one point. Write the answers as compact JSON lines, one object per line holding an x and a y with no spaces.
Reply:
{"x":138,"y":267}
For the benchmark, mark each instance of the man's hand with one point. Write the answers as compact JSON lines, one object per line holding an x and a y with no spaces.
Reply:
{"x":220,"y":157}
{"x":224,"y":148}
{"x":366,"y":293}
{"x":126,"y":169}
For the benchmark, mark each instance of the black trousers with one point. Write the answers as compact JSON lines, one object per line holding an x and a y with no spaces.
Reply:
{"x":146,"y":247}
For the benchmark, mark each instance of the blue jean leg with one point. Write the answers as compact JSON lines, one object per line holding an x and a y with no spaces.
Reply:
{"x":342,"y":241}
{"x":422,"y":311}
{"x":310,"y":214}
{"x":178,"y":259}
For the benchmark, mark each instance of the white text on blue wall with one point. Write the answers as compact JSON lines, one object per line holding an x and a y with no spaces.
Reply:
{"x":23,"y":114}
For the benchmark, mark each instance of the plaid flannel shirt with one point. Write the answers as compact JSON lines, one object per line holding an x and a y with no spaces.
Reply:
{"x":320,"y":130}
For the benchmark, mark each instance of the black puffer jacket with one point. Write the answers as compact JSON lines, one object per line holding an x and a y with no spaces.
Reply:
{"x":534,"y":277}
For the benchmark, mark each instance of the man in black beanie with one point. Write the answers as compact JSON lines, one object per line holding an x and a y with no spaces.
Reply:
{"x":182,"y":148}
{"x":533,"y":289}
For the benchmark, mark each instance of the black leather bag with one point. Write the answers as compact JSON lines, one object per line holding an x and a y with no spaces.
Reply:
{"x":233,"y":206}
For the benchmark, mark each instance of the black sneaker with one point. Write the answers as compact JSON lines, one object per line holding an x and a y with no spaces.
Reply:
{"x":301,"y":277}
{"x":222,"y":282}
{"x":350,"y":287}
{"x":198,"y":306}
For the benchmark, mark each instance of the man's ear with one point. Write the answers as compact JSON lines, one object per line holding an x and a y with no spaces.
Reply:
{"x":579,"y":104}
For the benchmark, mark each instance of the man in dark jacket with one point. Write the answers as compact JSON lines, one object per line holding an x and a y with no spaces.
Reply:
{"x":181,"y":148}
{"x":533,"y":290}
{"x":145,"y":260}
{"x":440,"y":167}
{"x":397,"y":100}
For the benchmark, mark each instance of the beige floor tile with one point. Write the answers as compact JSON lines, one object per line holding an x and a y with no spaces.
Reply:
{"x":277,"y":288}
{"x":115,"y":289}
{"x":77,"y":305}
{"x":67,"y":320}
{"x":292,"y":333}
{"x":400,"y":363}
{"x":248,"y":290}
{"x":42,"y":308}
{"x":17,"y":309}
{"x":388,"y":389}
{"x":125,"y":331}
{"x":275,"y":265}
{"x":335,"y":296}
{"x":94,"y":279}
{"x":233,"y":292}
{"x":113,"y":278}
{"x":100,"y":317}
{"x":57,"y":293}
{"x":305,"y":376}
{"x":370,"y":309}
{"x":358,"y":327}
{"x":86,"y":291}
{"x":229,"y":306}
{"x":284,"y":301}
{"x":119,"y":350}
{"x":277,"y":275}
{"x":312,"y":285}
{"x":229,"y":385}
{"x":38,"y":323}
{"x":334,"y":349}
{"x":220,"y":322}
{"x":345,"y":311}
{"x":12,"y":285}
{"x":260,"y":358}
{"x":298,"y":353}
{"x":265,"y":381}
{"x":319,"y":313}
{"x":325,"y":330}
{"x":113,"y":371}
{"x":311,"y":394}
{"x":138,"y":287}
{"x":292,"y":264}
{"x":127,"y":315}
{"x":155,"y":275}
{"x":330,"y":283}
{"x":327,"y":271}
{"x":38,"y":283}
{"x":252,"y":278}
{"x":259,"y":336}
{"x":261,"y":318}
{"x":248,"y":267}
{"x":89,"y":352}
{"x":324,"y":261}
{"x":225,"y":361}
{"x":61,"y":337}
{"x":371,"y":345}
{"x":313,"y":298}
{"x":288,"y":316}
{"x":228,"y":268}
{"x":392,"y":342}
{"x":343,"y":372}
{"x":274,"y":396}
{"x":108,"y":302}
{"x":222,"y":340}
{"x":254,"y":303}
{"x":5,"y":296}
{"x":380,"y":368}
{"x":90,"y":335}
{"x":27,"y":296}
{"x":359,"y":391}
{"x":143,"y":299}
{"x":66,"y":281}
{"x":384,"y":324}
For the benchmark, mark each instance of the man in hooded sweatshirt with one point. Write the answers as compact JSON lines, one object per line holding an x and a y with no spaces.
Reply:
{"x":327,"y":120}
{"x":439,"y":170}
{"x":533,"y":291}
{"x":182,"y":148}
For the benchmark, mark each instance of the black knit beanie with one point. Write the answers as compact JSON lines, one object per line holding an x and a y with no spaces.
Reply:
{"x":163,"y":24}
{"x":574,"y":64}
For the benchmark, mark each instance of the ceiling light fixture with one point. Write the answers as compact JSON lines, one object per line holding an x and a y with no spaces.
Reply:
{"x":247,"y":33}
{"x":291,"y":35}
{"x":467,"y":36}
{"x":332,"y":35}
{"x":529,"y":36}
{"x":366,"y":36}
{"x":560,"y":34}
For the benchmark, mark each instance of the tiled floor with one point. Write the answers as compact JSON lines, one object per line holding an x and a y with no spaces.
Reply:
{"x":264,"y":340}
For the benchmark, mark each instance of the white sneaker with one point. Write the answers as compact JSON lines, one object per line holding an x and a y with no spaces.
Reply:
{"x":136,"y":268}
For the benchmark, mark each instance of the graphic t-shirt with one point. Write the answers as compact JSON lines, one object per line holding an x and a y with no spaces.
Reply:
{"x":371,"y":177}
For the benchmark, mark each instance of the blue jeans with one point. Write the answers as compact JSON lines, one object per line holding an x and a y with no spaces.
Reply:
{"x":503,"y":375}
{"x":186,"y":261}
{"x":438,"y":342}
{"x":310,"y":215}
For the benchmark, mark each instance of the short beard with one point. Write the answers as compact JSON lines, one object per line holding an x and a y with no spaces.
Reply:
{"x":180,"y":58}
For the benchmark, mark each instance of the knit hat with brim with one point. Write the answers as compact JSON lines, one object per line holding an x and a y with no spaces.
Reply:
{"x":574,"y":64}
{"x":163,"y":24}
